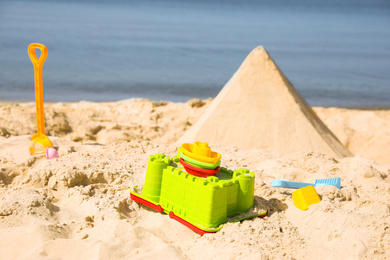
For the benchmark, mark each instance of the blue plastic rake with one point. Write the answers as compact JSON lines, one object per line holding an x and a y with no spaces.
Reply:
{"x":297,"y":185}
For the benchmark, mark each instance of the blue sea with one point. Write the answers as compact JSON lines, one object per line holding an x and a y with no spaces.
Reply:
{"x":335,"y":52}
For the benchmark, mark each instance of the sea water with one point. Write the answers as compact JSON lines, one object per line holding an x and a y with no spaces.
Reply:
{"x":335,"y":52}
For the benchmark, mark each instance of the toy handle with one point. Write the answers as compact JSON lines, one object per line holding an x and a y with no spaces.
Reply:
{"x":38,"y":64}
{"x":296,"y":185}
{"x":289,"y":184}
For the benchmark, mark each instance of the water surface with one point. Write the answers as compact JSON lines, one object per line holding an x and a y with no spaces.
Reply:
{"x":336,"y":53}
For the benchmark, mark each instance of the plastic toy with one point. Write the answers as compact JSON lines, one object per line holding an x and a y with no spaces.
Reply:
{"x":51,"y":153}
{"x":304,"y":197}
{"x":197,"y":163}
{"x":200,"y":172}
{"x":202,"y":204}
{"x":200,"y":152}
{"x":296,"y":185}
{"x":39,"y":141}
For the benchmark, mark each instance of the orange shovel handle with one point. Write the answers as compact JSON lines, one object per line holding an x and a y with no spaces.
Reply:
{"x":38,"y":64}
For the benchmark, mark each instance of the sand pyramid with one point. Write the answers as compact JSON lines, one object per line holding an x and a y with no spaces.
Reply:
{"x":259,"y":108}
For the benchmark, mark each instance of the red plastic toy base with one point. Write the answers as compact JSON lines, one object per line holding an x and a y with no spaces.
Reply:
{"x":198,"y":171}
{"x":158,"y":208}
{"x":172,"y":215}
{"x":188,"y":224}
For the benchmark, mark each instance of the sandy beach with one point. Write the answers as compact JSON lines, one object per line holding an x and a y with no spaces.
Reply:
{"x":78,"y":207}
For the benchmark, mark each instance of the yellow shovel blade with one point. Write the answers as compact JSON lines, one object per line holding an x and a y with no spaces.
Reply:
{"x":39,"y":143}
{"x":304,"y":197}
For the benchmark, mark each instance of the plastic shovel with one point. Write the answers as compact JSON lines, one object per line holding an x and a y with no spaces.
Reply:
{"x":39,"y":141}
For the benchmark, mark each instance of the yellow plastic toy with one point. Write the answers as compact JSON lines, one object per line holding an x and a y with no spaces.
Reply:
{"x":304,"y":197}
{"x":200,"y":152}
{"x":39,"y":141}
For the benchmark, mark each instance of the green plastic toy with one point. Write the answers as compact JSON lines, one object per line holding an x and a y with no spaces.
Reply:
{"x":202,"y":204}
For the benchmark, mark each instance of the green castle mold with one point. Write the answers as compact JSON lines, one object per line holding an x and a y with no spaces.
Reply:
{"x":152,"y":188}
{"x":205,"y":203}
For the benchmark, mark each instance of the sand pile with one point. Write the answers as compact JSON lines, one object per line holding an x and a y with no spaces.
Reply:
{"x":259,"y":108}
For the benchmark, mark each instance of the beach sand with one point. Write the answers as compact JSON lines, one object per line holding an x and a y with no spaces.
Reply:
{"x":78,"y":206}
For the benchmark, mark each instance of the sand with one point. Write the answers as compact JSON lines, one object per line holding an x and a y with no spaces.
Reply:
{"x":259,"y":108}
{"x":78,"y":206}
